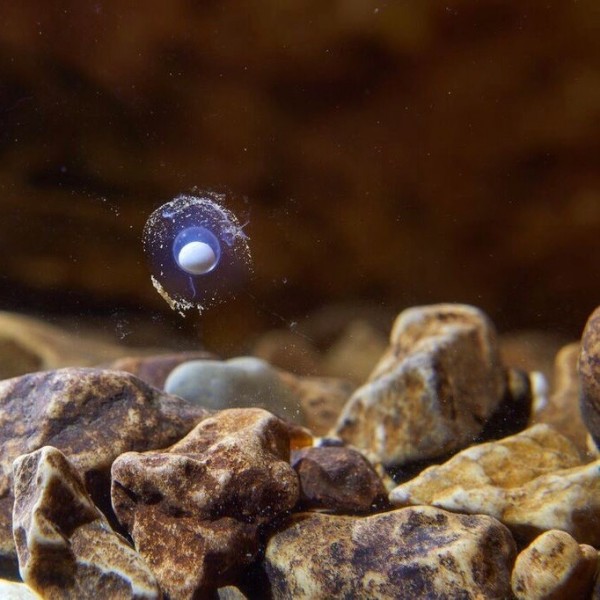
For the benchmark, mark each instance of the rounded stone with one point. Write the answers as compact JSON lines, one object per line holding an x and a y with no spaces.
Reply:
{"x":242,"y":382}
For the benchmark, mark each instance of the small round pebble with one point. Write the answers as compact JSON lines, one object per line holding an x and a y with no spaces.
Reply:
{"x":241,"y":382}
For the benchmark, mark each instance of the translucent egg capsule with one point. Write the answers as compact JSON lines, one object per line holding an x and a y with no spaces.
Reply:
{"x":197,"y":251}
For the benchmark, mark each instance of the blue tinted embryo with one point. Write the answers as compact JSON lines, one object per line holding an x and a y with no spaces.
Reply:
{"x":197,"y":250}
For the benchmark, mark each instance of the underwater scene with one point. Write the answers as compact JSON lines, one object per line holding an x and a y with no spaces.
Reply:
{"x":299,"y":300}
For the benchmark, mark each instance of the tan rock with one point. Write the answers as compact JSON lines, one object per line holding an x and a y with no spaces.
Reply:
{"x":90,"y":415}
{"x":562,"y":410}
{"x":554,"y":567}
{"x":28,"y":344}
{"x":65,"y":545}
{"x":432,"y":391}
{"x":589,"y":374}
{"x":338,"y":479}
{"x":321,"y":399}
{"x":193,"y":510}
{"x":417,"y":552}
{"x":532,"y":482}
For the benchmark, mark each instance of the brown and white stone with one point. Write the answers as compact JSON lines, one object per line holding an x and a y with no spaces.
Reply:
{"x":589,"y":374}
{"x":432,"y":391}
{"x":416,"y":552}
{"x":194,"y":510}
{"x":65,"y":545}
{"x":92,"y":416}
{"x":337,"y":479}
{"x":532,"y":482}
{"x":554,"y":567}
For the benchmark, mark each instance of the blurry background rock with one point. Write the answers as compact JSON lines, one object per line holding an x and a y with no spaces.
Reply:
{"x":384,"y":153}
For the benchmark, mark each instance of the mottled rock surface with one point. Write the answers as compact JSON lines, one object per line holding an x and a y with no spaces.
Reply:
{"x":554,"y":567}
{"x":241,"y":382}
{"x":432,"y":391}
{"x":420,"y":552}
{"x":194,"y":510}
{"x":92,"y":416}
{"x":589,"y":373}
{"x":532,"y":482}
{"x":340,"y":480}
{"x":65,"y":544}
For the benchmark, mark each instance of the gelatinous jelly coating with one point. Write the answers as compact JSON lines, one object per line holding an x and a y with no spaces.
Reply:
{"x":197,"y":251}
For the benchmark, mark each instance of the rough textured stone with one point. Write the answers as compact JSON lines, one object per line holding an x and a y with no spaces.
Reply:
{"x":241,"y":382}
{"x":193,"y":511}
{"x":92,"y":416}
{"x":13,"y":590}
{"x":589,"y":373}
{"x":562,"y":409}
{"x":432,"y":391}
{"x":554,"y":567}
{"x":420,"y":552}
{"x":65,"y":544}
{"x":532,"y":482}
{"x":321,"y":399}
{"x":154,"y":370}
{"x":337,"y":479}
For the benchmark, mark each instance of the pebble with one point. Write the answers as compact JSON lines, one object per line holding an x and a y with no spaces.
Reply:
{"x":65,"y":545}
{"x":554,"y":567}
{"x":194,"y":510}
{"x":92,"y":416}
{"x":532,"y":482}
{"x":432,"y":391}
{"x":416,"y":552}
{"x":242,"y":382}
{"x":339,"y":480}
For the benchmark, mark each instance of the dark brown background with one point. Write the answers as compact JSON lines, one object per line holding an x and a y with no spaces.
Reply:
{"x":390,"y":154}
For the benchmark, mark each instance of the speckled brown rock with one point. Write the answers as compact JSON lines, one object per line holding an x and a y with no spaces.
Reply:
{"x":193,"y":510}
{"x":66,"y":547}
{"x":532,"y":482}
{"x":554,"y":567}
{"x":432,"y":391}
{"x":321,"y":399}
{"x":589,"y":373}
{"x":154,"y":370}
{"x":337,"y":479}
{"x":92,"y":416}
{"x":419,"y":552}
{"x":562,"y":408}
